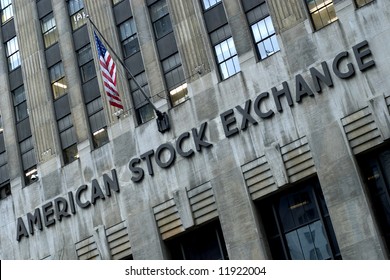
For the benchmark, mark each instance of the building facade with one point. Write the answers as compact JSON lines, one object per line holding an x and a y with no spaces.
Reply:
{"x":279,"y":130}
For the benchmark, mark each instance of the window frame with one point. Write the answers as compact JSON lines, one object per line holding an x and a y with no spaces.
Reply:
{"x":11,"y":51}
{"x":138,"y":106}
{"x":77,"y":23}
{"x":18,"y":104}
{"x":159,"y":19}
{"x":133,"y":37}
{"x":256,"y":21}
{"x":218,"y":43}
{"x":3,"y":10}
{"x":277,"y":232}
{"x":57,"y":79}
{"x":86,"y":64}
{"x":45,"y":19}
{"x":325,"y":6}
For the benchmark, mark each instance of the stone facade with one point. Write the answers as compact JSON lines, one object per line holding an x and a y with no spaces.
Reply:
{"x":310,"y":137}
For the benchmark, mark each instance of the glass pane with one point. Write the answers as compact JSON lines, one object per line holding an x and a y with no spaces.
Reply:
{"x":145,"y":113}
{"x":21,"y":111}
{"x":158,"y":10}
{"x":294,"y":246}
{"x":19,"y":95}
{"x":78,"y":19}
{"x":65,"y":123}
{"x":100,"y":138}
{"x":162,"y":27}
{"x":70,"y":154}
{"x":88,"y":71}
{"x":270,"y":26}
{"x":256,"y":32}
{"x":130,"y":46}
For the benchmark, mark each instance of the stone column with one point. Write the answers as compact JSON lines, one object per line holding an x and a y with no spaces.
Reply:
{"x":190,"y":39}
{"x":352,"y":219}
{"x":36,"y":80}
{"x":71,"y":69}
{"x":148,"y":48}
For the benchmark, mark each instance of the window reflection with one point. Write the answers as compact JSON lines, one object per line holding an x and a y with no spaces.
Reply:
{"x":298,"y":225}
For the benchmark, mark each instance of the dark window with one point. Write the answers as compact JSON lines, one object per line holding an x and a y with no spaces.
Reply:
{"x":87,"y":67}
{"x":128,"y":35}
{"x":20,"y":104}
{"x":97,"y":122}
{"x":5,"y":190}
{"x":263,"y":30}
{"x":322,"y":12}
{"x":375,"y":169}
{"x":7,"y":12}
{"x":49,"y":30}
{"x":207,"y":4}
{"x":203,"y":243}
{"x":160,"y":19}
{"x":12,"y":52}
{"x":225,"y":52}
{"x":68,"y":139}
{"x":298,"y":225}
{"x":77,"y":14}
{"x":361,"y":3}
{"x":58,"y":81}
{"x":143,"y":109}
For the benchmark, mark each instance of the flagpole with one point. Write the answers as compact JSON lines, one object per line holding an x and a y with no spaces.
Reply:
{"x":162,"y":118}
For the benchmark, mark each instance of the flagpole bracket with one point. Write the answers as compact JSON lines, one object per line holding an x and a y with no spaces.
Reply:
{"x":162,"y":121}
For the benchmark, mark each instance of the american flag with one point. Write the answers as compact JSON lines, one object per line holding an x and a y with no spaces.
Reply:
{"x":108,"y":69}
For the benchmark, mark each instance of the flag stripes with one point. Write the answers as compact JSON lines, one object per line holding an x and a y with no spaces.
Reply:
{"x":108,"y":70}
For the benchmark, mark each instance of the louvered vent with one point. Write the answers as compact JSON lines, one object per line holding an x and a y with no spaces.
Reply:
{"x":361,"y":130}
{"x":258,"y":178}
{"x":168,"y":219}
{"x":298,"y":160}
{"x":202,"y":203}
{"x":118,"y":241}
{"x":87,"y":250}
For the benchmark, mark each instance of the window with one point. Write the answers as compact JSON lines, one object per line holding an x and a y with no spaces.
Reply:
{"x":298,"y":225}
{"x":20,"y":104}
{"x":203,"y":243}
{"x":77,"y":14}
{"x":12,"y":52}
{"x":375,"y":169}
{"x":5,"y":188}
{"x":1,"y":124}
{"x":143,"y":109}
{"x":207,"y":4}
{"x":7,"y":12}
{"x":58,"y":81}
{"x":68,"y":139}
{"x":225,"y":52}
{"x":160,"y":18}
{"x":128,"y":35}
{"x":263,"y":30}
{"x":87,"y":67}
{"x":49,"y":30}
{"x":174,"y":78}
{"x":97,"y":122}
{"x":361,"y":3}
{"x":322,"y":12}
